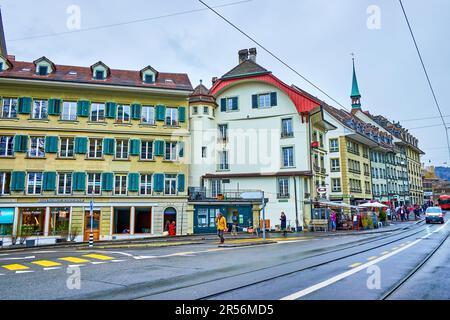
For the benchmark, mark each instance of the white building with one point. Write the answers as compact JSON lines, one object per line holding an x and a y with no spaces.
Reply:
{"x":255,"y":136}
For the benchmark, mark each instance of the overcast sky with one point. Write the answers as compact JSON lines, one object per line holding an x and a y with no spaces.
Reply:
{"x":316,"y":37}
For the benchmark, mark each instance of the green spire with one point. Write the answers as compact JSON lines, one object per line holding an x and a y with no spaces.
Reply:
{"x":356,"y":96}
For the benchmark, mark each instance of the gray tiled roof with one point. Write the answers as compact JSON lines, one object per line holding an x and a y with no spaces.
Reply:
{"x":247,"y":67}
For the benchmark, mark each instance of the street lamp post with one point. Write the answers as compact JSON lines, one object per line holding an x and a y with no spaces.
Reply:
{"x":91,"y":235}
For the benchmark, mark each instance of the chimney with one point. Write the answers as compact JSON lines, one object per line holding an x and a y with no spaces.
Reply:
{"x":214,"y":80}
{"x":252,"y":54}
{"x":243,"y":55}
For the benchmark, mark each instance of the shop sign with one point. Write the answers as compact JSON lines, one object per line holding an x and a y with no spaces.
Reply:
{"x":6,"y":215}
{"x":61,"y":200}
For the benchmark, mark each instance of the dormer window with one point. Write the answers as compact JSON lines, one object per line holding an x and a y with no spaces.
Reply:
{"x":149,"y":75}
{"x":44,"y":66}
{"x":99,"y":75}
{"x":4,"y":63}
{"x":148,"y":78}
{"x":100,"y":71}
{"x":43,"y":70}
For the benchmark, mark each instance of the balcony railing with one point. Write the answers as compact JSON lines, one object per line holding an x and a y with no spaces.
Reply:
{"x":203,"y":194}
{"x":283,"y":195}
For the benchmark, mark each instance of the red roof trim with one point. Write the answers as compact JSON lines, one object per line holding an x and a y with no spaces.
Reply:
{"x":302,"y":103}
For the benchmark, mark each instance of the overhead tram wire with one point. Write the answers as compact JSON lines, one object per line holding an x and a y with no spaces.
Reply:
{"x":272,"y":54}
{"x":126,"y":22}
{"x":427,"y":76}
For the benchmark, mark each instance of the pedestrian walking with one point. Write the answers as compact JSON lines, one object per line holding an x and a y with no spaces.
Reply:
{"x":221,"y":223}
{"x":283,"y":224}
{"x":173,"y":229}
{"x":235,"y":219}
{"x":388,"y":213}
{"x":333,"y":221}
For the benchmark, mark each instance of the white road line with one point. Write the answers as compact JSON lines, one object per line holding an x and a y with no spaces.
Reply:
{"x":19,"y":258}
{"x":76,"y":265}
{"x":36,"y":252}
{"x":344,"y":275}
{"x":117,"y":260}
{"x":52,"y":268}
{"x":115,"y":252}
{"x":99,"y":262}
{"x":25,"y":271}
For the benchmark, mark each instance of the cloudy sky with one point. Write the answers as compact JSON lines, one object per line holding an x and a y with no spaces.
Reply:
{"x":316,"y":37}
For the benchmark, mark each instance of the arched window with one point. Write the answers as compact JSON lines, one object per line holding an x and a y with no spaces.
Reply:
{"x":170,"y":211}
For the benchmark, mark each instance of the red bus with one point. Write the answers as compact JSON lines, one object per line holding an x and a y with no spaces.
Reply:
{"x":444,"y":202}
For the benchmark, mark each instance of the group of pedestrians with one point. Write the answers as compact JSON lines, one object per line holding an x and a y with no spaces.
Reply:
{"x":403,"y":213}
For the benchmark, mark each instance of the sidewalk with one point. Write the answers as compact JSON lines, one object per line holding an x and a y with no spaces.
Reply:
{"x":243,"y":239}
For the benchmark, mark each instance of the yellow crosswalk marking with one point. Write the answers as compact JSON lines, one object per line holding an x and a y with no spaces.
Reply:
{"x":98,"y":257}
{"x":74,"y":260}
{"x":355,"y":265}
{"x":15,"y":267}
{"x":372,"y":258}
{"x":46,"y":263}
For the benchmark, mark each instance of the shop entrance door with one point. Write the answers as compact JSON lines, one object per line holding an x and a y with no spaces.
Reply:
{"x":95,"y":225}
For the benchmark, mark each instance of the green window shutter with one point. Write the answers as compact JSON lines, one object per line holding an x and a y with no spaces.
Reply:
{"x":81,"y":145}
{"x":51,"y":144}
{"x":160,"y":113}
{"x":158,"y":181}
{"x":49,"y":183}
{"x":83,"y":108}
{"x":182,"y":114}
{"x":79,"y":181}
{"x":159,"y":148}
{"x":135,"y":149}
{"x":107,"y":181}
{"x":108,"y":146}
{"x":21,"y":144}
{"x":181,"y":183}
{"x":18,"y":181}
{"x":54,"y":107}
{"x":111,"y":110}
{"x":25,"y":105}
{"x":255,"y":101}
{"x":181,"y":149}
{"x":273,"y":99}
{"x":136,"y":111}
{"x":133,"y":182}
{"x":235,"y":103}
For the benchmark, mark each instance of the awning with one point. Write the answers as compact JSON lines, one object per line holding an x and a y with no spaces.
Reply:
{"x":6,"y":215}
{"x":336,"y":204}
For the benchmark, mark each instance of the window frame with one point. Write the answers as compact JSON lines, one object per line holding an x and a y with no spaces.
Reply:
{"x":173,"y":151}
{"x":287,"y":133}
{"x":9,"y":146}
{"x":146,"y":184}
{"x":170,"y":178}
{"x":62,"y":141}
{"x":147,"y":143}
{"x":35,"y":184}
{"x":98,"y":143}
{"x":282,"y":188}
{"x":72,"y":117}
{"x":121,"y":114}
{"x":3,"y":183}
{"x":42,"y":105}
{"x":124,"y":152}
{"x":153,"y":121}
{"x":67,"y":183}
{"x":283,"y":148}
{"x":10,"y":108}
{"x":40,"y":138}
{"x":224,"y":161}
{"x":334,"y":148}
{"x":123,"y":180}
{"x":96,"y":108}
{"x":172,"y":117}
{"x":94,"y":183}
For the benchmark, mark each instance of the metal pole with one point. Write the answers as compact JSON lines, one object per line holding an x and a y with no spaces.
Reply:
{"x":296,"y":205}
{"x":91,"y":235}
{"x":264,"y":217}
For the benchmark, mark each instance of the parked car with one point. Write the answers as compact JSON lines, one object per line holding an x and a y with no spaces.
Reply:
{"x":434,"y":214}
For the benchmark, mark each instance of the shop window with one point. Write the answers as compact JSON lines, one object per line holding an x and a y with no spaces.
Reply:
{"x":6,"y":221}
{"x":32,"y":221}
{"x":59,"y":221}
{"x":122,"y":218}
{"x":143,"y":220}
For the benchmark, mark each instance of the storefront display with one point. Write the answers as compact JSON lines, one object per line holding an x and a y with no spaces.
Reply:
{"x":59,"y":221}
{"x":32,"y":221}
{"x":6,"y":221}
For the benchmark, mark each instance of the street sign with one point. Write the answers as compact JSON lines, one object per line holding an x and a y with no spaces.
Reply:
{"x":321,"y":190}
{"x":91,"y":205}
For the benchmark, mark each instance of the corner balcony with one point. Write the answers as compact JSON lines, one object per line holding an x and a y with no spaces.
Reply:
{"x":208,"y":195}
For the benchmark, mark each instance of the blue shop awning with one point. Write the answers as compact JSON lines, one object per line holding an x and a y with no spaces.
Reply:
{"x":6,"y":215}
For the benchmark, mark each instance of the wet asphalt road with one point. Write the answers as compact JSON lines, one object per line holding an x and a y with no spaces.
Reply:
{"x":313,"y":268}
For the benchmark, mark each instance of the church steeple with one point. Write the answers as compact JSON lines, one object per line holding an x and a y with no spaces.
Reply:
{"x":356,"y":96}
{"x":3,"y":50}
